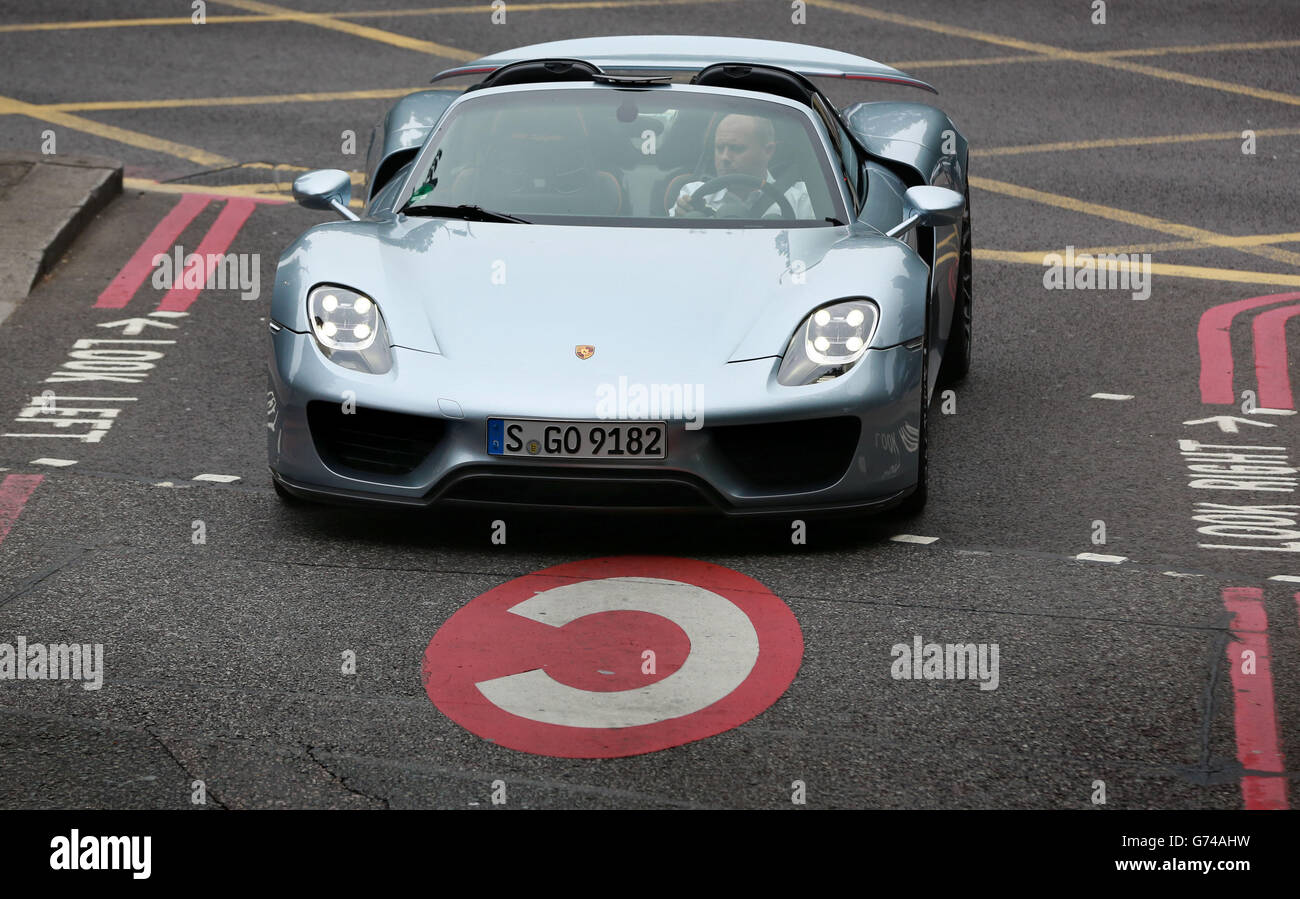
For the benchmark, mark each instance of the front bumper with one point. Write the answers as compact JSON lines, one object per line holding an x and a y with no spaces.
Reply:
{"x":758,"y":448}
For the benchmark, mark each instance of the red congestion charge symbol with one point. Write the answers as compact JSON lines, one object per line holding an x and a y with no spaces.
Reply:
{"x":613,"y":657}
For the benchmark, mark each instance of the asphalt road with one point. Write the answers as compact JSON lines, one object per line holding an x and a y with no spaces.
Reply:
{"x":222,"y":657}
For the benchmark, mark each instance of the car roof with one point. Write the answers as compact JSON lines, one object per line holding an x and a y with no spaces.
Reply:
{"x":689,"y":53}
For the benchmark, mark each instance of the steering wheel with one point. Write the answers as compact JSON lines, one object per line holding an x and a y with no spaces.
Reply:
{"x":770,"y":194}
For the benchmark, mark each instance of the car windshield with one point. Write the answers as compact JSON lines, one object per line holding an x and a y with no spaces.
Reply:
{"x":647,"y":157}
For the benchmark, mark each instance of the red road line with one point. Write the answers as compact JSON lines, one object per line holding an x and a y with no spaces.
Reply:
{"x":15,"y":490}
{"x":1254,"y":714}
{"x":214,"y":243}
{"x":1213,"y":335}
{"x":1271,"y":374}
{"x":160,"y":240}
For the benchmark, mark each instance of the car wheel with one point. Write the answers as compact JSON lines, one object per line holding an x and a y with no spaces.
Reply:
{"x":957,"y":356}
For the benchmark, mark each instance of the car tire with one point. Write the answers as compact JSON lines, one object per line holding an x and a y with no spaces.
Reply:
{"x":957,"y":355}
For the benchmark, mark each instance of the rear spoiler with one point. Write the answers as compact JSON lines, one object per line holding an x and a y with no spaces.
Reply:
{"x":690,"y":53}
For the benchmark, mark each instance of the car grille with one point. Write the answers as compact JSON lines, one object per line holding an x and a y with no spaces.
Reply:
{"x":372,"y":440}
{"x":499,"y":485}
{"x":795,"y":456}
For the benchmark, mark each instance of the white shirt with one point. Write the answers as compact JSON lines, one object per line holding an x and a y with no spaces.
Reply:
{"x":797,"y":195}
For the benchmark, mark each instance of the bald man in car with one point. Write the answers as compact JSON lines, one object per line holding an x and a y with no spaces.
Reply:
{"x":743,"y":145}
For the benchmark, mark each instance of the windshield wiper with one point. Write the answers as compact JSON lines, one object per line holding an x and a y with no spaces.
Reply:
{"x":464,"y":211}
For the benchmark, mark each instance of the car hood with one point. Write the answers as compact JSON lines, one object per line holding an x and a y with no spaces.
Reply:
{"x":655,"y":301}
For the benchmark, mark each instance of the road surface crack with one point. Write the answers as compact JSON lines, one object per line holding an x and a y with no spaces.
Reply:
{"x":1211,"y":770}
{"x":190,"y":775}
{"x":342,"y":781}
{"x":27,"y":585}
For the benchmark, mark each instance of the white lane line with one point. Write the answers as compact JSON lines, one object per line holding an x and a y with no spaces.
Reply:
{"x":1289,"y":578}
{"x":1263,"y":411}
{"x":1098,"y":557}
{"x":1112,"y":396}
{"x":1181,"y":574}
{"x":913,"y":538}
{"x":217,"y":478}
{"x":57,"y":463}
{"x":164,"y":484}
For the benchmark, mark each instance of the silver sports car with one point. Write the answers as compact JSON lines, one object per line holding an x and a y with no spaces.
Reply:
{"x":657,"y":272}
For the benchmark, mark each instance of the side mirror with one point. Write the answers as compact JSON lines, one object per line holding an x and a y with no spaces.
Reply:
{"x":325,"y":189}
{"x":928,"y":206}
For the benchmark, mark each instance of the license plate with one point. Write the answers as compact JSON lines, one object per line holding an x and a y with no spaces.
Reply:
{"x":577,"y":439}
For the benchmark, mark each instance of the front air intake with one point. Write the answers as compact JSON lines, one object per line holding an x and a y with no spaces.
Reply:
{"x":372,"y":440}
{"x":792,"y":457}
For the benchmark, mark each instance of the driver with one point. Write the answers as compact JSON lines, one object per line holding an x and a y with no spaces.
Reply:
{"x":743,"y":145}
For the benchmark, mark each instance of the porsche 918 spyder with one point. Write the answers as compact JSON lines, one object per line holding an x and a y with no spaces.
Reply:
{"x":656,"y":272}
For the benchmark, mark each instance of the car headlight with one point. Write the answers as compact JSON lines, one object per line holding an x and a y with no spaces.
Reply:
{"x":349,"y":329}
{"x":828,"y":343}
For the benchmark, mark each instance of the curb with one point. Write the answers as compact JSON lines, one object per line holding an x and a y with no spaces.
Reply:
{"x":45,"y":202}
